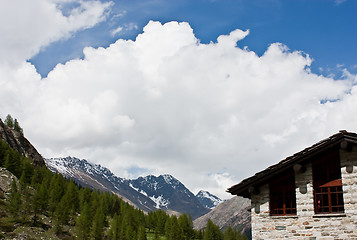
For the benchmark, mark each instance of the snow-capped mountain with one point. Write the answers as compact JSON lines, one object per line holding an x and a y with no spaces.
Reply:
{"x":208,"y":200}
{"x":147,"y":193}
{"x":97,"y":177}
{"x":169,"y":193}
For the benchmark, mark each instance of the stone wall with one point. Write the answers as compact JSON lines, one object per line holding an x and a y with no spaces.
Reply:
{"x":306,"y":224}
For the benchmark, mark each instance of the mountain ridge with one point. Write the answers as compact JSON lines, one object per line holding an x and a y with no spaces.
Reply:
{"x":98,"y":177}
{"x":148,"y":193}
{"x":169,"y":194}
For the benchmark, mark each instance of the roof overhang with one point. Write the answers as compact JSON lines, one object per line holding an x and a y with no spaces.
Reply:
{"x":251,"y":185}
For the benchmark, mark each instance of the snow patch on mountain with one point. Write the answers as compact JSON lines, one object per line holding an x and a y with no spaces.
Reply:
{"x":70,"y":166}
{"x":208,"y":200}
{"x":171,"y":180}
{"x":138,"y":190}
{"x":160,"y":201}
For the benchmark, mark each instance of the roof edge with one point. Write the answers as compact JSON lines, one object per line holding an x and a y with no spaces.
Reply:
{"x":246,"y":186}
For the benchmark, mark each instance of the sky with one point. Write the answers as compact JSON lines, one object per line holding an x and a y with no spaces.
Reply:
{"x":209,"y":91}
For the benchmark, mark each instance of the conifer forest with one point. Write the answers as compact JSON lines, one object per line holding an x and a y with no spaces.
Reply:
{"x":57,"y":208}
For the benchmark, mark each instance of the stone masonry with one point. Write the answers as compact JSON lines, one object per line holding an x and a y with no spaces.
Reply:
{"x":306,"y":224}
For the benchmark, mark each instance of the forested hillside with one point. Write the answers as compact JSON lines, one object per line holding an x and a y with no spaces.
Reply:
{"x":39,"y":204}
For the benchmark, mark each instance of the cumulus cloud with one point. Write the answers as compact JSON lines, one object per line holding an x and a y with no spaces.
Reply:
{"x":32,"y":25}
{"x":209,"y":114}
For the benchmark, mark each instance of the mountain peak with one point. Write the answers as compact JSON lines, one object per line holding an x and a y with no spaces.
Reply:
{"x":208,"y":200}
{"x":169,"y":179}
{"x":168,"y":193}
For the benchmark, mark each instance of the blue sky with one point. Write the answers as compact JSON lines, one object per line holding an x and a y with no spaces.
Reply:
{"x":179,"y":87}
{"x":324,"y":29}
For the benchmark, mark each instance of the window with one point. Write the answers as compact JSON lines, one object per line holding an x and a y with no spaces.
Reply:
{"x":282,"y":195}
{"x":328,"y":193}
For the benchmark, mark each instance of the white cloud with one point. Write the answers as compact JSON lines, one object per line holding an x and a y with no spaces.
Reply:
{"x":28,"y":26}
{"x":338,"y":2}
{"x":209,"y":114}
{"x":126,"y":28}
{"x":117,"y":30}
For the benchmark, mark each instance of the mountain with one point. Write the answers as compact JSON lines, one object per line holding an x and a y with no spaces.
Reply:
{"x":97,"y":177}
{"x":17,"y":141}
{"x":234,"y":212}
{"x":208,"y":200}
{"x":147,"y":193}
{"x":169,"y":194}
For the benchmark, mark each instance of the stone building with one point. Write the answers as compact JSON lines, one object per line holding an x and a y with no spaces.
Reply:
{"x":310,"y":195}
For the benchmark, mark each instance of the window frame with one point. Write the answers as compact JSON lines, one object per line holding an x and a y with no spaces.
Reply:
{"x":327,"y":183}
{"x":282,"y":195}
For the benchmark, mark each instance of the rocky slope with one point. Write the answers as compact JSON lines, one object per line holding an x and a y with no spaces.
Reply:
{"x":17,"y":141}
{"x":6,"y":179}
{"x":234,"y":212}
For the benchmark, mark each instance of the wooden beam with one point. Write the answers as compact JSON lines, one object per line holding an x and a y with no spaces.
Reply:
{"x":253,"y":190}
{"x":298,"y":168}
{"x":346,"y":145}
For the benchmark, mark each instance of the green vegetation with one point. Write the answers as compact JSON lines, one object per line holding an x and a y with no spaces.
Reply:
{"x":42,"y":204}
{"x":13,"y":124}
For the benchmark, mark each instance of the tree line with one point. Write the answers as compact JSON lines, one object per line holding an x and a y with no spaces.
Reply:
{"x":83,"y":213}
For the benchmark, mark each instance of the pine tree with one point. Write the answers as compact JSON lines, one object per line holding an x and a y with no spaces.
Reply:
{"x":35,"y":200}
{"x":84,"y":196}
{"x":17,"y":127}
{"x":83,"y":223}
{"x":36,"y":178}
{"x":9,"y":121}
{"x":43,"y":197}
{"x":114,"y":232}
{"x":62,"y":212}
{"x":141,"y":233}
{"x":98,"y":225}
{"x":229,"y":234}
{"x":71,"y":197}
{"x":22,"y":180}
{"x":4,"y":147}
{"x":173,"y":230}
{"x":129,"y":224}
{"x":14,"y":199}
{"x":212,"y":232}
{"x":56,"y":191}
{"x":159,"y":221}
{"x":233,"y":234}
{"x":168,"y":229}
{"x":27,"y":171}
{"x":130,"y":233}
{"x":186,"y":225}
{"x":27,"y":207}
{"x":13,"y":162}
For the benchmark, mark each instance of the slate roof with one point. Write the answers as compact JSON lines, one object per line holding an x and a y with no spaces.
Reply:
{"x":260,"y":178}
